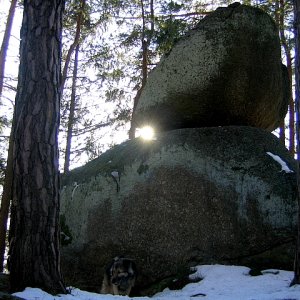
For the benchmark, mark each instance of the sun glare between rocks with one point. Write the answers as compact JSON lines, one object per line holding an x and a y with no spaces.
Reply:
{"x":146,"y":133}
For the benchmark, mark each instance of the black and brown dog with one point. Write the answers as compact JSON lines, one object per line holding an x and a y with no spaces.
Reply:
{"x":119,"y":277}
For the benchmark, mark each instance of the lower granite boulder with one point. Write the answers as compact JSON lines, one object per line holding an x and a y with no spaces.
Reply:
{"x":191,"y":196}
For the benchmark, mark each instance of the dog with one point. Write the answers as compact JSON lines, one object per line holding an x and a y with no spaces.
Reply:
{"x":119,"y":277}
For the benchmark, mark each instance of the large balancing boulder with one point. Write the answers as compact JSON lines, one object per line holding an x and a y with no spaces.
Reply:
{"x":227,"y":71}
{"x":203,"y":195}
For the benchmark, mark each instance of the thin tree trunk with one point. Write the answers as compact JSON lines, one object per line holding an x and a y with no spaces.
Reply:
{"x":296,"y":279}
{"x":287,"y":51}
{"x":291,"y":117}
{"x":5,"y":41}
{"x":145,"y":45}
{"x":72,"y":113}
{"x":34,"y":235}
{"x":7,"y":188}
{"x":279,"y":19}
{"x":5,"y":200}
{"x":75,"y":45}
{"x":282,"y":131}
{"x":133,"y":125}
{"x":79,"y":21}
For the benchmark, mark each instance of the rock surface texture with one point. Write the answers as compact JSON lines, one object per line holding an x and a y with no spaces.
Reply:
{"x":202,"y":195}
{"x":227,"y":71}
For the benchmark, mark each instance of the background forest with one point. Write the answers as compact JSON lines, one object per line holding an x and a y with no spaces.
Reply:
{"x":109,"y":47}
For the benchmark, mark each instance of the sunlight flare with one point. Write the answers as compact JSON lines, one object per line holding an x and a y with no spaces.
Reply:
{"x":147,"y":133}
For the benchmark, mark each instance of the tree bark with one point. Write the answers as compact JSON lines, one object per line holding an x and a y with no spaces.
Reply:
{"x":34,"y":235}
{"x":296,"y":279}
{"x":5,"y":41}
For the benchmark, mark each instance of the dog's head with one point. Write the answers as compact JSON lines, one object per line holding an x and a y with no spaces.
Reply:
{"x":122,"y":274}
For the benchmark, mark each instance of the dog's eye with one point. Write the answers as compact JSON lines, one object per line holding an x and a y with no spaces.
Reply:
{"x":129,"y":275}
{"x":114,"y":280}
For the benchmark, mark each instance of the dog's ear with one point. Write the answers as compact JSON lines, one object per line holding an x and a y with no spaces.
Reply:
{"x":130,"y":266}
{"x":109,"y":269}
{"x":133,"y":267}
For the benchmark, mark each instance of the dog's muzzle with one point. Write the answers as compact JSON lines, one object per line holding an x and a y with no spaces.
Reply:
{"x":123,"y":282}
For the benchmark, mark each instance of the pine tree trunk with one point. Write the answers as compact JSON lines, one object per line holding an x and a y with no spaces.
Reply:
{"x":34,"y":235}
{"x":71,"y":113}
{"x":5,"y":41}
{"x":296,"y":279}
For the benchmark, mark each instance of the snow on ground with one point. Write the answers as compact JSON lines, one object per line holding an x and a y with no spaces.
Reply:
{"x":219,"y":283}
